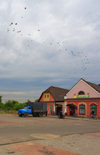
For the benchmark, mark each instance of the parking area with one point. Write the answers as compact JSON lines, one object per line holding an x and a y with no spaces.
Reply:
{"x":48,"y":136}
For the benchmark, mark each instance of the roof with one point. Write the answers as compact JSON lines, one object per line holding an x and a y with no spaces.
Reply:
{"x":93,"y":85}
{"x":57,"y":93}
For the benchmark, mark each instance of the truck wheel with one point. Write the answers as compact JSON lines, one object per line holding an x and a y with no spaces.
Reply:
{"x":25,"y":114}
{"x":33,"y":115}
{"x":46,"y":113}
{"x":20,"y":115}
{"x":41,"y":114}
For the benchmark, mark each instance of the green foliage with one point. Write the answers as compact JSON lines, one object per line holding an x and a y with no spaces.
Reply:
{"x":12,"y":105}
{"x":18,"y":106}
{"x":1,"y":106}
{"x":37,"y":100}
{"x":29,"y":101}
{"x":9,"y":105}
{"x":0,"y":99}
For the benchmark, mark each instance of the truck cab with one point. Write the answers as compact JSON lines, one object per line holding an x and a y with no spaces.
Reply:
{"x":24,"y":112}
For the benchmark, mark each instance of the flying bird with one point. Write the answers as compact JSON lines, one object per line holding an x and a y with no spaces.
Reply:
{"x":13,"y":29}
{"x":11,"y":24}
{"x":72,"y":52}
{"x":18,"y":31}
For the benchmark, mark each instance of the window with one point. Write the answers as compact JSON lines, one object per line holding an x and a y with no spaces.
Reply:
{"x":47,"y":96}
{"x":51,"y":109}
{"x":94,"y":108}
{"x":81,"y":93}
{"x":82,"y":109}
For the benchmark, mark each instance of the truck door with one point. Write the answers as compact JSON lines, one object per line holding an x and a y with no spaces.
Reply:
{"x":30,"y":110}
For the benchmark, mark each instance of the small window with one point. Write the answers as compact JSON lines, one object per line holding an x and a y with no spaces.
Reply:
{"x":82,"y":109}
{"x":51,"y":109}
{"x":47,"y":96}
{"x":81,"y":93}
{"x":94,"y":108}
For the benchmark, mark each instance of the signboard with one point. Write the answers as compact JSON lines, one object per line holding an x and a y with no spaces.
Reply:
{"x":82,"y":96}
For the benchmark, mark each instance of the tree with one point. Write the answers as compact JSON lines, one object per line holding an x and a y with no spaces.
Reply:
{"x":9,"y":105}
{"x":13,"y":105}
{"x":18,"y":106}
{"x":0,"y":99}
{"x":1,"y":106}
{"x":36,"y":100}
{"x":29,"y":101}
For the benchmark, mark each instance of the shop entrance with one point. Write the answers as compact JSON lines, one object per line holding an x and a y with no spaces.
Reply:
{"x":72,"y":108}
{"x":58,"y":109}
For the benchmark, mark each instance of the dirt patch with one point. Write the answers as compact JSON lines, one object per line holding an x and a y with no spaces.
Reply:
{"x":31,"y":148}
{"x":93,"y":134}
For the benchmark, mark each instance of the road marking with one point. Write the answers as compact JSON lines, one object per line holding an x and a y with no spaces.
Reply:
{"x":45,"y":136}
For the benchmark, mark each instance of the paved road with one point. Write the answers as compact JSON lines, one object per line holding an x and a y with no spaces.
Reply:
{"x":48,"y":136}
{"x":19,"y":129}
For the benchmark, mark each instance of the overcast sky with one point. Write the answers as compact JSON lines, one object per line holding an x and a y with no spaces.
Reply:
{"x":47,"y":42}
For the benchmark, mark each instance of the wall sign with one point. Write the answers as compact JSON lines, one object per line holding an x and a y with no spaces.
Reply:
{"x":82,"y":96}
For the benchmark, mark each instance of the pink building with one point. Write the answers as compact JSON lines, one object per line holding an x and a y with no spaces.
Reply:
{"x":83,"y":99}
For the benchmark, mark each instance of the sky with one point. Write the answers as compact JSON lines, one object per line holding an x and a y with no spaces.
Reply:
{"x":47,"y":43}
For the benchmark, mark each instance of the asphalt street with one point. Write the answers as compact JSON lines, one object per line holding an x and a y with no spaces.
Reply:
{"x":19,"y":129}
{"x":48,"y":136}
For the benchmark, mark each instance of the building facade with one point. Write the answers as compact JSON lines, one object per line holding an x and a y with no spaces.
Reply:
{"x":54,"y":97}
{"x":83,"y":99}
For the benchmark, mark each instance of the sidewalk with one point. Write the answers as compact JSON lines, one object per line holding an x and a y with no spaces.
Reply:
{"x":73,"y":117}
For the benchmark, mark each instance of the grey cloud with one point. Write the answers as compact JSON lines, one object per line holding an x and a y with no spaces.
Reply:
{"x":52,"y":40}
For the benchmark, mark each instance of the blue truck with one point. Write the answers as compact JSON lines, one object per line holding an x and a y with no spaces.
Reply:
{"x":37,"y":109}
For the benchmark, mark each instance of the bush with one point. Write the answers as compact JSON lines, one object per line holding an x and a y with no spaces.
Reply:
{"x":11,"y":105}
{"x":18,"y":106}
{"x":1,"y":106}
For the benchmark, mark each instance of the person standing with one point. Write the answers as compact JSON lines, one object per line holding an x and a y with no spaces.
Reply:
{"x":92,"y":114}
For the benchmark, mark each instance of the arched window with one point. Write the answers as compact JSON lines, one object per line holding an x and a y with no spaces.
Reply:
{"x":81,"y":93}
{"x":94,"y":108}
{"x":82,"y":109}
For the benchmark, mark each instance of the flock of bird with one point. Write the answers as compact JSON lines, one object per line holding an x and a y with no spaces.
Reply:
{"x":13,"y":27}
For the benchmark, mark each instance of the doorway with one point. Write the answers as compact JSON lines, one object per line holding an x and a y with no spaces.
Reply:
{"x":58,"y":109}
{"x":72,"y":108}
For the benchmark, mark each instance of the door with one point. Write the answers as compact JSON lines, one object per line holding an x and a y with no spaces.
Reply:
{"x":72,"y":110}
{"x":58,"y":109}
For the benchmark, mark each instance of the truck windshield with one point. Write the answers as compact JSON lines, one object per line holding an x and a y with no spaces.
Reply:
{"x":25,"y":107}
